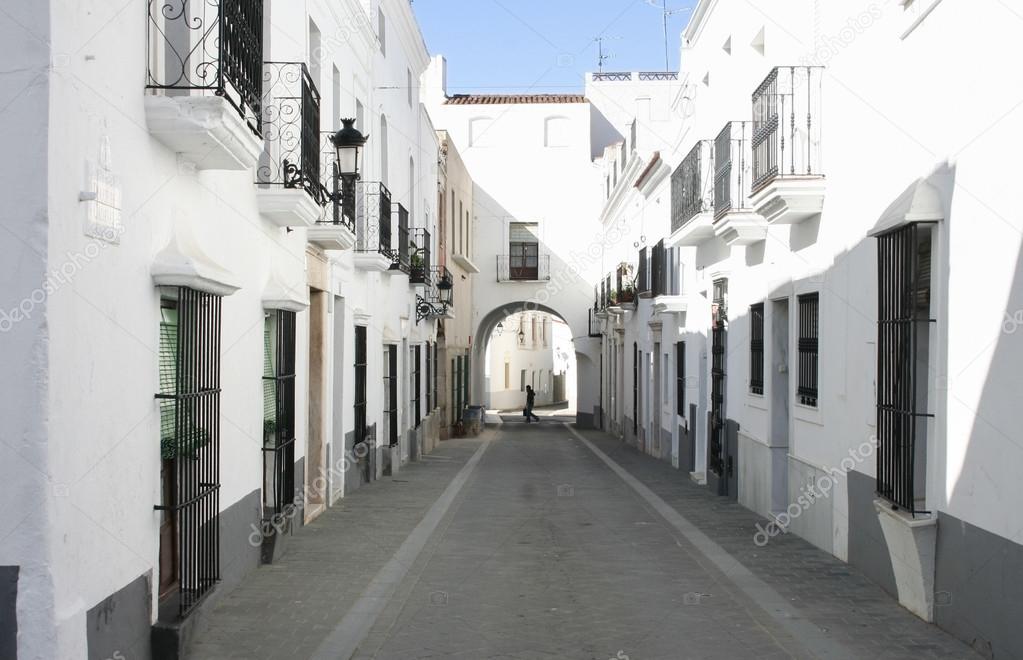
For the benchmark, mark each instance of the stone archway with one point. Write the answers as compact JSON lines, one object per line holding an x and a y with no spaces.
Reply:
{"x":587,"y":359}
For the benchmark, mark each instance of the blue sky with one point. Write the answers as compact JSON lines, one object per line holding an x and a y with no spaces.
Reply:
{"x":495,"y":46}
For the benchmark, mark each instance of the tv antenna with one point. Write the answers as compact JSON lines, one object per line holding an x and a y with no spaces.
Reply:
{"x":601,"y":55}
{"x":667,"y":14}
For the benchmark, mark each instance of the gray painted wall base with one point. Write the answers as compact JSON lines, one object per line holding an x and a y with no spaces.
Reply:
{"x":120,"y":623}
{"x":977,"y":588}
{"x":867,"y":548}
{"x":9,"y":612}
{"x":238,"y":556}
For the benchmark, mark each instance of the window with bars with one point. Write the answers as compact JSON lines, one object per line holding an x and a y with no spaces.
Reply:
{"x":360,"y":384}
{"x":903,"y":343}
{"x":189,"y":398}
{"x":756,"y":349}
{"x":429,"y":378}
{"x":636,"y":355}
{"x":415,"y":356}
{"x":391,"y":393}
{"x":809,"y":328}
{"x":680,"y":378}
{"x":455,"y":411}
{"x":436,"y":377}
{"x":465,"y":383}
{"x":278,"y":412}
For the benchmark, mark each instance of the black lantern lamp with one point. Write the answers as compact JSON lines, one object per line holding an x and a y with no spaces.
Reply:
{"x":499,"y":329}
{"x":348,"y":143}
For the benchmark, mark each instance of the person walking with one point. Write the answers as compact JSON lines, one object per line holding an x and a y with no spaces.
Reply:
{"x":528,"y":410}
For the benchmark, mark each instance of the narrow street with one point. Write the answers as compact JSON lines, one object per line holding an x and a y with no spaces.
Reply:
{"x":538,"y":541}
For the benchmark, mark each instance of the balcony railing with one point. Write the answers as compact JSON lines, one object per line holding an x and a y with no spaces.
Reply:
{"x":612,"y":76}
{"x":400,"y":255}
{"x":442,"y":278}
{"x":658,"y":269}
{"x":373,"y":218}
{"x":518,"y":268}
{"x":213,"y":47}
{"x":732,"y":168}
{"x":291,"y":131}
{"x":643,"y":271}
{"x":420,"y":271}
{"x":627,"y":76}
{"x":786,"y":125}
{"x":692,"y":185}
{"x":658,"y":75}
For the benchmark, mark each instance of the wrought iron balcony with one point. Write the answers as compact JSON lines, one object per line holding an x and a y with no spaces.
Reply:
{"x":735,"y":220}
{"x":788,"y":177}
{"x":401,"y":260}
{"x":692,"y":186}
{"x":442,"y":278}
{"x":437,"y":302}
{"x":291,"y":158}
{"x":420,"y":270}
{"x":202,"y":58}
{"x":523,"y":268}
{"x":373,"y":210}
{"x":786,"y":125}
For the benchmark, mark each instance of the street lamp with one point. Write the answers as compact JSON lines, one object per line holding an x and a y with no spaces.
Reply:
{"x":348,"y":142}
{"x":499,"y":329}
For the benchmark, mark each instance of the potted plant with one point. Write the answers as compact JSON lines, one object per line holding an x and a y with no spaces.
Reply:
{"x":417,"y":273}
{"x":628,"y":293}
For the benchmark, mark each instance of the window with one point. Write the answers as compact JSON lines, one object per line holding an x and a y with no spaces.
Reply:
{"x":556,"y":132}
{"x":454,"y":392}
{"x":465,"y":232}
{"x":808,"y":335}
{"x":382,"y":30}
{"x":522,"y":381}
{"x":636,"y":356}
{"x":408,"y":74}
{"x":524,"y":251}
{"x":465,"y":382}
{"x":391,"y":393}
{"x":479,"y":129}
{"x":412,"y":189}
{"x":336,"y":100}
{"x":415,"y":356}
{"x":360,"y":115}
{"x":383,"y":149}
{"x":315,"y":53}
{"x":680,"y":378}
{"x":360,"y":384}
{"x":436,"y":391}
{"x":189,"y":369}
{"x":278,"y":412}
{"x":429,"y":378}
{"x":903,"y":344}
{"x":756,"y":349}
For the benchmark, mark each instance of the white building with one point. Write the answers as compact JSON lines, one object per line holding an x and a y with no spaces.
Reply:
{"x":848,"y":355}
{"x":538,"y":246}
{"x":529,"y":348}
{"x":201,"y":352}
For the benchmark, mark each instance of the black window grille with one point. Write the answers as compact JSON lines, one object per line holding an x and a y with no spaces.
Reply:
{"x":402,"y":257}
{"x":680,"y":378}
{"x":809,"y":331}
{"x":429,"y":377}
{"x":643,"y":272}
{"x":279,"y":413}
{"x":903,"y":336}
{"x":456,"y":376}
{"x":360,"y":384}
{"x":436,"y":376}
{"x":417,"y":385}
{"x":719,"y":348}
{"x":190,"y":442}
{"x":658,"y":269}
{"x":465,"y":382}
{"x":391,"y":394}
{"x":691,"y":185}
{"x":756,"y":349}
{"x":787,"y":124}
{"x":420,"y":260}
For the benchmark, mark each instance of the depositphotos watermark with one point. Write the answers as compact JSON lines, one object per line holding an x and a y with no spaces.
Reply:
{"x":809,"y":494}
{"x":74,"y":262}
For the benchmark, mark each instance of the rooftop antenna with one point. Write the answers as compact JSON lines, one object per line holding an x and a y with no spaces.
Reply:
{"x":666,"y":13}
{"x":601,"y":55}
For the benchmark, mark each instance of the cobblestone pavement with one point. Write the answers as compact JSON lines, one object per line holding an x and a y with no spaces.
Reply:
{"x":546,"y":552}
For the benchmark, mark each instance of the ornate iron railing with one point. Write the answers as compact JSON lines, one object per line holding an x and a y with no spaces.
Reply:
{"x":643,"y":271}
{"x":787,"y":124}
{"x":658,"y":269}
{"x":373,"y":218}
{"x":612,"y":76}
{"x":692,"y":186}
{"x":420,"y":270}
{"x":658,"y":75}
{"x":732,"y":168}
{"x":519,"y":268}
{"x":401,"y":256}
{"x":291,"y":131}
{"x":207,"y":47}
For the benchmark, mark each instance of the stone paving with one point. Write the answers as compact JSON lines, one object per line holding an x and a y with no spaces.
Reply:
{"x":547,"y":553}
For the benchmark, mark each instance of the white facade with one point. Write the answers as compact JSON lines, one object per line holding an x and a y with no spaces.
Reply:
{"x":135,"y":192}
{"x":874,"y":140}
{"x":529,"y":158}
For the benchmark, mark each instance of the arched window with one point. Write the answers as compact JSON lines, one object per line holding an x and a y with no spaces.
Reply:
{"x":556,"y":132}
{"x":479,"y":131}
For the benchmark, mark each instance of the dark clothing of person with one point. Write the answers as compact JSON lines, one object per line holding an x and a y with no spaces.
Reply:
{"x":528,"y":412}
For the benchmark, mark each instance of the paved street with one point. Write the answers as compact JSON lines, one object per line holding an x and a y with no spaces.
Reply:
{"x":535,"y":541}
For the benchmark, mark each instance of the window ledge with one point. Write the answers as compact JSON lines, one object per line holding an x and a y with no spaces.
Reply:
{"x":465,"y":263}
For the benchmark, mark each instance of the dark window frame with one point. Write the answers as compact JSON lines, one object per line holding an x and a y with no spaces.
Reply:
{"x":756,"y":349}
{"x":808,"y":366}
{"x":279,"y":377}
{"x":415,"y":371}
{"x":360,"y":365}
{"x":680,"y":378}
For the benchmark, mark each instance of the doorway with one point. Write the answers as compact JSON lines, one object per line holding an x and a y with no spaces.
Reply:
{"x":315,"y":498}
